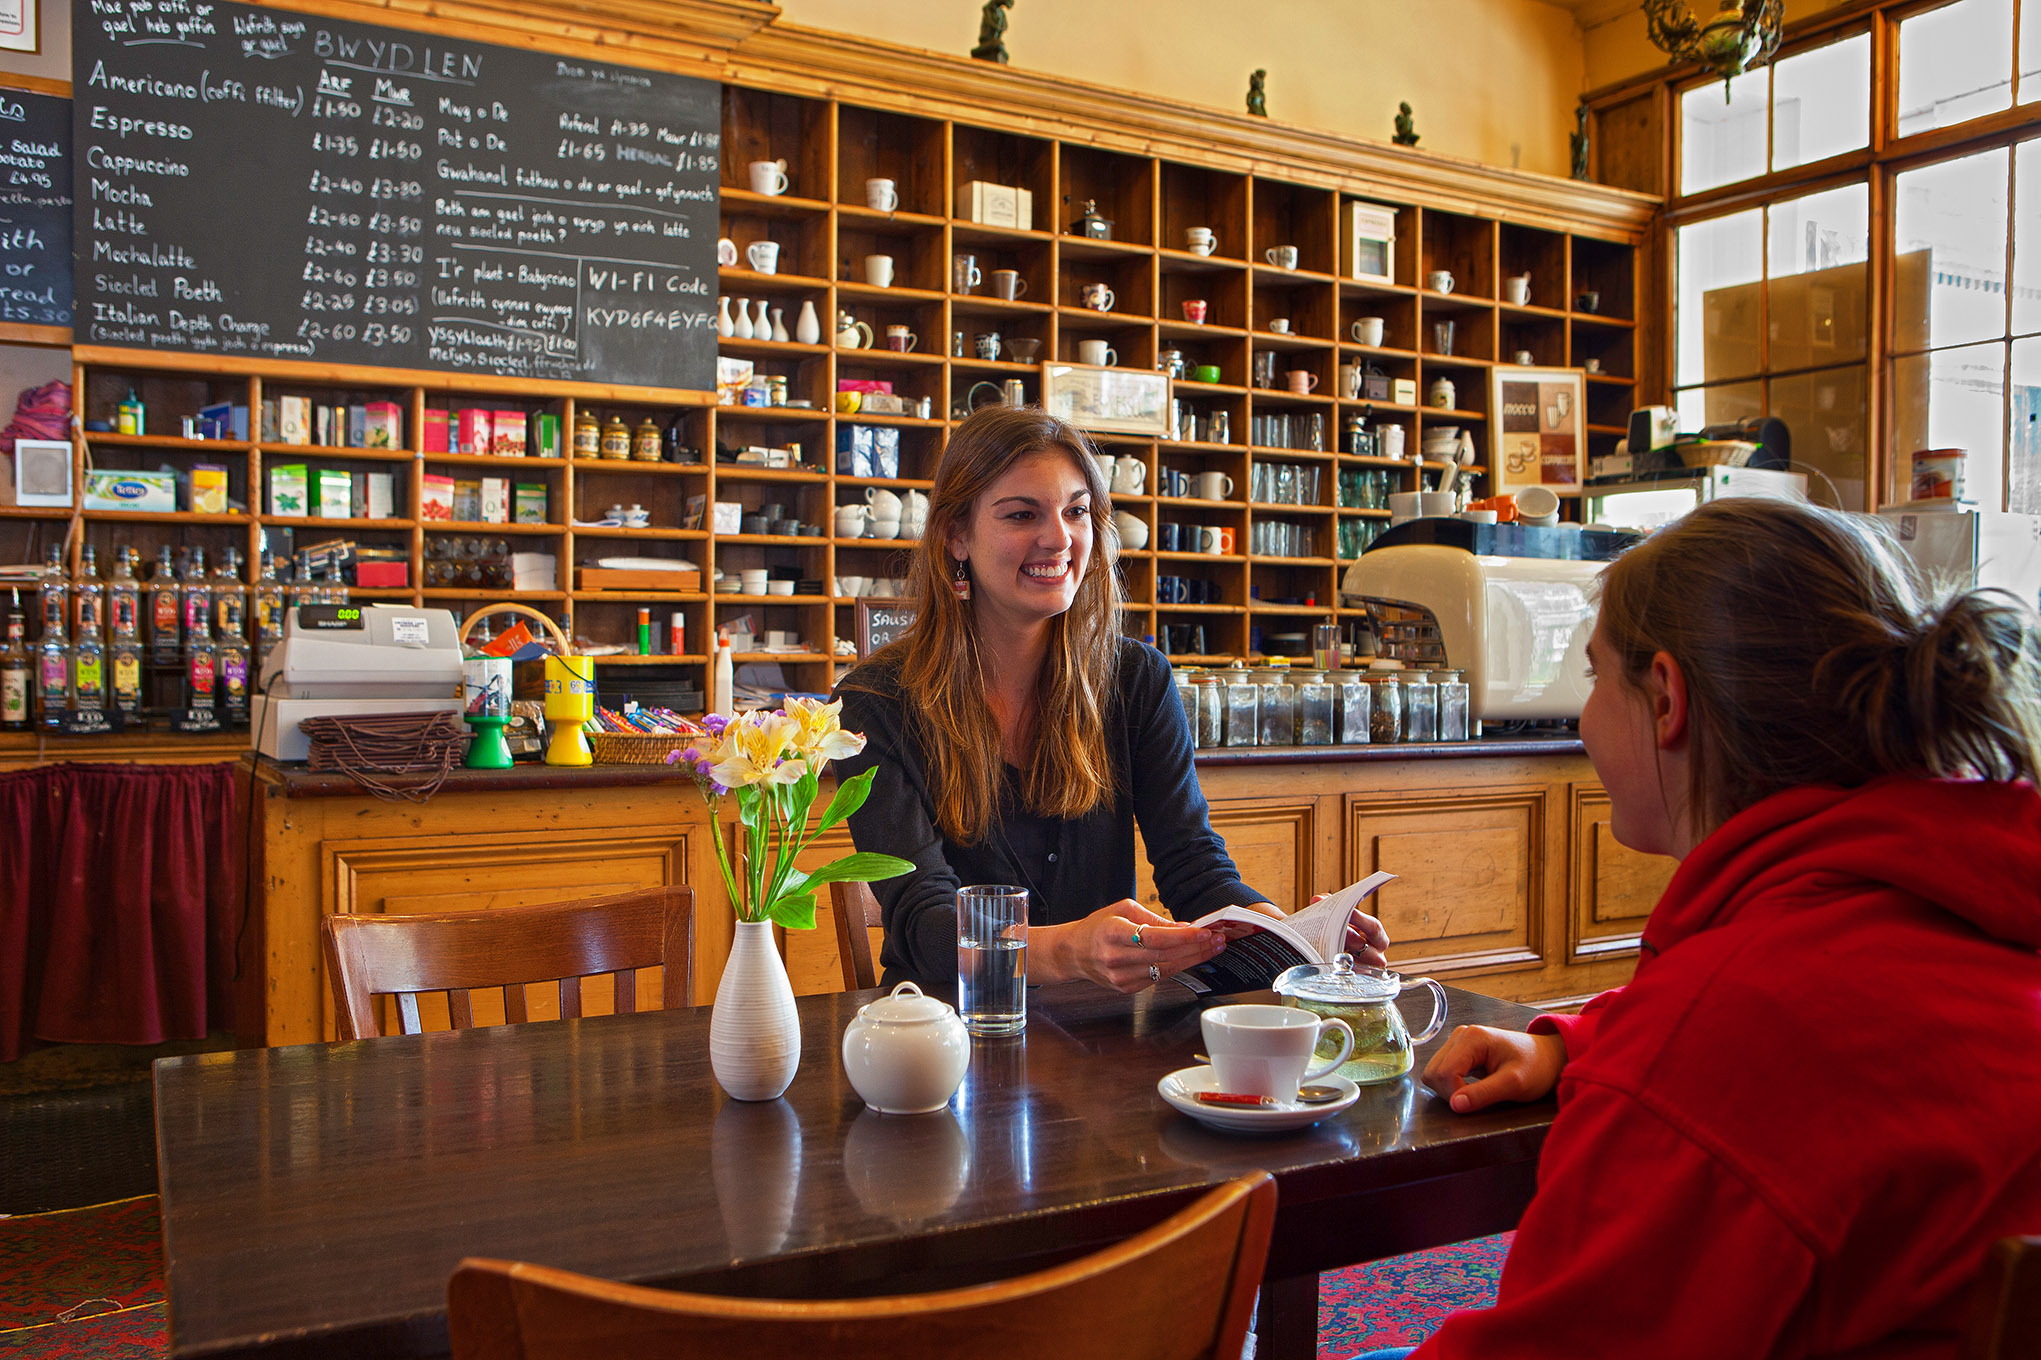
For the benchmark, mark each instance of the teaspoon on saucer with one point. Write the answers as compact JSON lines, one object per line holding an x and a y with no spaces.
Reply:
{"x":1310,"y":1093}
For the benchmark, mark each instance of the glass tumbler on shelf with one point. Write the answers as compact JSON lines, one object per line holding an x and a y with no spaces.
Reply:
{"x":1442,"y":337}
{"x":992,"y":958}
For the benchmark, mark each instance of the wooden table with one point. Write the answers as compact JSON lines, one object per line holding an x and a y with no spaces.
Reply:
{"x":316,"y":1198}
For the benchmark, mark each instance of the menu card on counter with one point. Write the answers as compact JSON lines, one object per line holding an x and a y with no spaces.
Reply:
{"x":35,"y":208}
{"x":259,"y":183}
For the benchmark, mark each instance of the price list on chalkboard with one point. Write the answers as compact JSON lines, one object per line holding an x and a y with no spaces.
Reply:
{"x":254,"y":182}
{"x":35,"y":209}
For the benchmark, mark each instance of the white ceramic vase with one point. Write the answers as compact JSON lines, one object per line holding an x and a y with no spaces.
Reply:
{"x":743,"y":321}
{"x":725,"y":325}
{"x":754,"y":1034}
{"x":761,"y":325}
{"x":779,"y":325}
{"x":808,"y":327}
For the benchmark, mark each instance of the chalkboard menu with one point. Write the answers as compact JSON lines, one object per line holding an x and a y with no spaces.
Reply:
{"x":253,"y":182}
{"x":35,"y":209}
{"x":882,"y":622}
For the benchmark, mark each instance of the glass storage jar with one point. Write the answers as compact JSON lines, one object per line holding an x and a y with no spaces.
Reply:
{"x":1355,"y":702}
{"x":1453,"y":724}
{"x":1420,"y":707}
{"x":1386,"y":719}
{"x":1186,"y":696}
{"x":1211,"y":709}
{"x":1314,"y":708}
{"x":1243,"y":705}
{"x":1278,"y":717}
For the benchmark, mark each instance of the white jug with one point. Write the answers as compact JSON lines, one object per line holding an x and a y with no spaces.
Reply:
{"x":1129,"y":473}
{"x":885,"y":505}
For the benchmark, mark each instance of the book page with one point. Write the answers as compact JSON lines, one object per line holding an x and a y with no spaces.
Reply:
{"x":1259,"y":947}
{"x":1324,"y":922}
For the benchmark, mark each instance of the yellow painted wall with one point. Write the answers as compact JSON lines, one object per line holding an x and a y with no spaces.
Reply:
{"x":1489,"y":80}
{"x":1617,"y":49}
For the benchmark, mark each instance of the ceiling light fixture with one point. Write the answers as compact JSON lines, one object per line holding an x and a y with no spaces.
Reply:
{"x":1743,"y":34}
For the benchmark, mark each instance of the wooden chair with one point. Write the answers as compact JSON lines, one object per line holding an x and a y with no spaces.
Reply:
{"x":2005,"y":1310}
{"x":507,"y":947}
{"x":1182,"y":1289}
{"x":856,"y":911}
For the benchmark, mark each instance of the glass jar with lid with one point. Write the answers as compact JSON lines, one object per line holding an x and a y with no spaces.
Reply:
{"x":1386,"y":718}
{"x":1189,"y":699}
{"x":1355,"y":703}
{"x":1211,"y":709}
{"x":1278,"y":717}
{"x":1315,"y":697}
{"x":1453,"y":723}
{"x":1420,"y":707}
{"x":1243,"y":705}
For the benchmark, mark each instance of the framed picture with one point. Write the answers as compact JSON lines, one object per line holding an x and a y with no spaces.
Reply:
{"x":18,"y":26}
{"x":1121,"y":400}
{"x":1539,"y":417}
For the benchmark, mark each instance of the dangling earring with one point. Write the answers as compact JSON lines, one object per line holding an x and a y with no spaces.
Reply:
{"x":961,"y":583}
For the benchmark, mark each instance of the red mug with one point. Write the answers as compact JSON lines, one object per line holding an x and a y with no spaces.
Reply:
{"x":1194,"y":311}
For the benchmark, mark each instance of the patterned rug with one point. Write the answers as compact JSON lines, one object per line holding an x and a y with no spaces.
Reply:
{"x":1402,"y":1300}
{"x":84,"y":1282}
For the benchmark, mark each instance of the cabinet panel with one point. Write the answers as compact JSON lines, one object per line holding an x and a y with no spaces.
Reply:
{"x":1271,"y":844}
{"x":1468,"y":892}
{"x":1611,"y":888}
{"x":439,"y":873}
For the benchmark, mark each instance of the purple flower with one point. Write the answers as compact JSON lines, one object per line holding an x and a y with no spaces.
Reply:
{"x":674,"y":757}
{"x":714,"y":723}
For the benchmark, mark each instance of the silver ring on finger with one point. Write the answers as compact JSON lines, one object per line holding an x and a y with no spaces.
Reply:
{"x":1154,"y":973}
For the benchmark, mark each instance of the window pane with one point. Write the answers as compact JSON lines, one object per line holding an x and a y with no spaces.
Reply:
{"x":1700,"y":407}
{"x":1815,"y":266}
{"x":1821,"y":102}
{"x":2027,"y":229}
{"x":1720,"y":264}
{"x":2023,"y":468}
{"x":1950,"y":64}
{"x":1950,"y":234}
{"x":1951,"y":399}
{"x":1828,"y":416}
{"x":2030,"y":54}
{"x":1721,"y":143}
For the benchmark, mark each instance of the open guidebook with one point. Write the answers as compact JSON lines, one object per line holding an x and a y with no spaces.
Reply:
{"x":1260,"y":946}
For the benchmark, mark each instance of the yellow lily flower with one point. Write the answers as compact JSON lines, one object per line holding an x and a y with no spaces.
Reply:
{"x":821,"y":735}
{"x":755,"y":750}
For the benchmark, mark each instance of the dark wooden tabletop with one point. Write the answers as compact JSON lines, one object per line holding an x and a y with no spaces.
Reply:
{"x":316,"y":1198}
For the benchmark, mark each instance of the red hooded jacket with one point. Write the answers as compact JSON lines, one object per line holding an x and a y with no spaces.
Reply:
{"x":1800,"y":1126}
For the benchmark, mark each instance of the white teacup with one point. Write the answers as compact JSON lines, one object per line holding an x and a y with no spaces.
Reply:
{"x":885,"y":504}
{"x":1263,"y":1050}
{"x":769,"y":177}
{"x":851,"y":586}
{"x":1538,"y":505}
{"x":764,"y":256}
{"x":1439,"y":281}
{"x":1368,"y":331}
{"x":1200,"y":240}
{"x":884,"y":528}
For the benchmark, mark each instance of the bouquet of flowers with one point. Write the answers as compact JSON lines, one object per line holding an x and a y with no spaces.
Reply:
{"x":771,"y":762}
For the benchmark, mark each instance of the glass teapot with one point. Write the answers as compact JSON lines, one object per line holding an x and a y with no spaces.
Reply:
{"x":1365,"y":998}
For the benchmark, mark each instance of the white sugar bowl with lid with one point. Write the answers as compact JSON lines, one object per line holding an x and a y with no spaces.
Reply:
{"x":906,"y":1053}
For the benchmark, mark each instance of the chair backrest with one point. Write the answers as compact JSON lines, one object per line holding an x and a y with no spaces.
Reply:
{"x":1181,"y":1290}
{"x":507,"y":947}
{"x":856,"y":910}
{"x":2005,"y":1310}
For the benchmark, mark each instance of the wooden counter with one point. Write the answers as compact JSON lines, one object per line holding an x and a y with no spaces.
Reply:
{"x":1510,"y":883}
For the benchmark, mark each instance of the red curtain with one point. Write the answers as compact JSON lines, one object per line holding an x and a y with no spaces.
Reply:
{"x":120,"y":899}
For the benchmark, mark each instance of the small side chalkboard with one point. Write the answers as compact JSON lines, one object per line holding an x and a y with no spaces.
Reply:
{"x":881,"y":622}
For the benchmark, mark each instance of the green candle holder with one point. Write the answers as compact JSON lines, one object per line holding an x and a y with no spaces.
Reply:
{"x":488,"y":750}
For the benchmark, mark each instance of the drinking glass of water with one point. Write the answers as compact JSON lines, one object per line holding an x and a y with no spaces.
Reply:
{"x":992,"y":958}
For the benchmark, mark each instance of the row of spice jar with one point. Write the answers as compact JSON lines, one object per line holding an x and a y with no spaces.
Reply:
{"x":1277,"y":705}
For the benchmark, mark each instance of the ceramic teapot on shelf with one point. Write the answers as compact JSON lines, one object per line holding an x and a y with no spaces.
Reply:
{"x":906,"y":1053}
{"x":1129,"y":473}
{"x":913,"y":514}
{"x":852,"y":333}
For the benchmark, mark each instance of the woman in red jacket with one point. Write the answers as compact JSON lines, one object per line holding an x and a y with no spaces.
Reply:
{"x":1799,"y":1128}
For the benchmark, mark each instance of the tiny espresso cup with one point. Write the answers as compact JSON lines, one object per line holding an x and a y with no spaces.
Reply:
{"x":1261,"y":1050}
{"x":1194,"y":311}
{"x":881,"y":195}
{"x":992,"y":959}
{"x":1439,"y":281}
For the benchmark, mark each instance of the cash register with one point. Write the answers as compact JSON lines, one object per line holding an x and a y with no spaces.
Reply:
{"x":349,"y":659}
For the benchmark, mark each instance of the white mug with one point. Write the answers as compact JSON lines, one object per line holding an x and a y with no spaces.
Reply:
{"x":1439,"y":281}
{"x":769,"y":177}
{"x":1282,"y":257}
{"x":1214,"y":486}
{"x":1268,"y":1050}
{"x":881,"y":195}
{"x":764,"y":256}
{"x":879,"y":270}
{"x":1368,"y":331}
{"x":1524,"y":358}
{"x":1133,"y":531}
{"x":1516,"y":290}
{"x":1211,"y":539}
{"x":1200,"y":240}
{"x":1096,"y":353}
{"x":852,"y":586}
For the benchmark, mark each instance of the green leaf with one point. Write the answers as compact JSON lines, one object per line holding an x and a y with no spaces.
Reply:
{"x":850,"y":796}
{"x":864,"y":867}
{"x":796,"y":912}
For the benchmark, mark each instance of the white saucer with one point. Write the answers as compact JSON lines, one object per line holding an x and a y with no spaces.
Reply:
{"x":1180,"y":1090}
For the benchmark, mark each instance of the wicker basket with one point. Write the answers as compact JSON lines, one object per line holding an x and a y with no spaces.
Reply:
{"x":636,"y":748}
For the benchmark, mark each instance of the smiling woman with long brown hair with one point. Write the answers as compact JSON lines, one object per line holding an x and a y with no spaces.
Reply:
{"x":1019,"y":738}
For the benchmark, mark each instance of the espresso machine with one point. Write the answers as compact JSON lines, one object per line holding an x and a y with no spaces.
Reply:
{"x":1508,"y":604}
